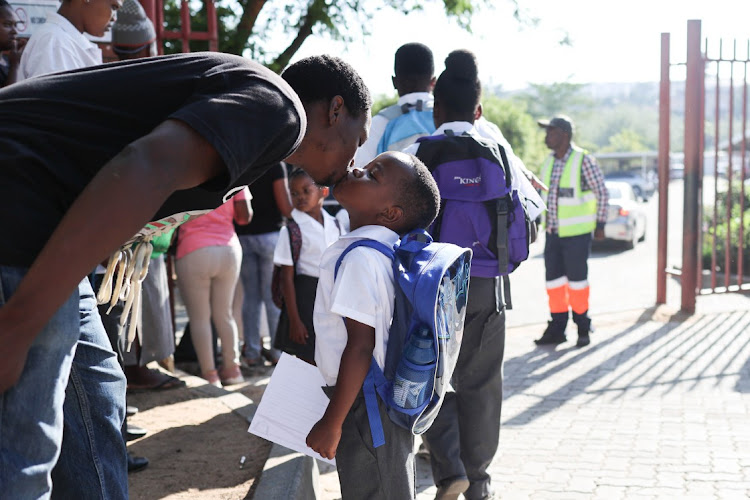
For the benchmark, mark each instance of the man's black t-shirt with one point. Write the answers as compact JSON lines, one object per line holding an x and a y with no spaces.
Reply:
{"x":267,"y":217}
{"x":58,"y":131}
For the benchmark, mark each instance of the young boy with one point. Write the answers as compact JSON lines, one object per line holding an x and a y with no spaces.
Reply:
{"x":392,"y":195}
{"x":299,"y":279}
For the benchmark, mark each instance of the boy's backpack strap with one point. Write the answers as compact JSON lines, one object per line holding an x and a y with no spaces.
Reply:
{"x":375,"y":380}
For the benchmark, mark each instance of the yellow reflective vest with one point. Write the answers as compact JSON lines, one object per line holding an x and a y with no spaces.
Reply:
{"x":576,"y":208}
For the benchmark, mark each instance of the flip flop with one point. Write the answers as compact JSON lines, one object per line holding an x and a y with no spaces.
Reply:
{"x":168,"y":382}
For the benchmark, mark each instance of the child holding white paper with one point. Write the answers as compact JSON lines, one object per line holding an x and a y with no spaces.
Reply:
{"x":393,"y":194}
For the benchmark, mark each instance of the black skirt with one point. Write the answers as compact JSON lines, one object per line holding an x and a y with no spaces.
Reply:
{"x":304,"y":288}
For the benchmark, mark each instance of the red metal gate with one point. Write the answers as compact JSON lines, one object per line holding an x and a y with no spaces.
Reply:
{"x":712,"y":243}
{"x":155,"y":11}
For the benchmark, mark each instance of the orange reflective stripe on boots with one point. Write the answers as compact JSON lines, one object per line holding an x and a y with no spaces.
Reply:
{"x":579,"y":296}
{"x":557,"y":292}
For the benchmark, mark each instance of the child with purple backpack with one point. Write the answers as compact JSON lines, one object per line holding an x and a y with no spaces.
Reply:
{"x":480,"y":209}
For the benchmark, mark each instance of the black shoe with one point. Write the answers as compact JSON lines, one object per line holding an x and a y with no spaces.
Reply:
{"x":584,"y":329}
{"x":130,"y":410}
{"x":555,"y":331}
{"x":551,"y":339}
{"x":136,"y":463}
{"x":134,"y":432}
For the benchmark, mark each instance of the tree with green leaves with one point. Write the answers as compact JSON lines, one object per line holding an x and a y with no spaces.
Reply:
{"x":245,"y":25}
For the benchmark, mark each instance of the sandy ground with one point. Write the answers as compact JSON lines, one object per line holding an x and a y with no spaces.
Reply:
{"x":195,"y":443}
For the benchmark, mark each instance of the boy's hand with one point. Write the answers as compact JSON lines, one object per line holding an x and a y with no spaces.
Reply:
{"x":324,"y":438}
{"x":297,"y":332}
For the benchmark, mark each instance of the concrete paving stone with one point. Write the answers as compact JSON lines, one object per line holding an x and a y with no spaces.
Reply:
{"x":582,"y":485}
{"x":672,"y":481}
{"x":610,"y":492}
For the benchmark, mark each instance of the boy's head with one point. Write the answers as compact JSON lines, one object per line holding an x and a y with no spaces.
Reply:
{"x":133,"y":34}
{"x":306,"y":196}
{"x":458,"y":89}
{"x":413,"y":69}
{"x":394,"y":190}
{"x":337,"y":103}
{"x":8,"y":25}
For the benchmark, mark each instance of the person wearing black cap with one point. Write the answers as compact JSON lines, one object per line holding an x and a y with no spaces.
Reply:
{"x":576,"y":207}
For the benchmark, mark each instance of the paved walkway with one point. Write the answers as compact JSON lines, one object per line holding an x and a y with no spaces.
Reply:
{"x":652,"y":409}
{"x":657,"y":407}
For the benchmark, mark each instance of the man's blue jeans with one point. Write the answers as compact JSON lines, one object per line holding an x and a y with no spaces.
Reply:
{"x":60,"y":424}
{"x":256,"y":273}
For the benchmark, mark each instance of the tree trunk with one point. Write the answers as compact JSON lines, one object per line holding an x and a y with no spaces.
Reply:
{"x":251,"y":9}
{"x":316,"y":11}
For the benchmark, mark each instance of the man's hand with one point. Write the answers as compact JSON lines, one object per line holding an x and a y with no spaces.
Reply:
{"x":297,"y":332}
{"x":324,"y":438}
{"x":599,"y":234}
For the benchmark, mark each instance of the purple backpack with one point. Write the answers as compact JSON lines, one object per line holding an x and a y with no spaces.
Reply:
{"x":478,"y":208}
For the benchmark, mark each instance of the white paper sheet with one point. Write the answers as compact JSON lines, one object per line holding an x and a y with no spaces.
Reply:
{"x":292,"y":403}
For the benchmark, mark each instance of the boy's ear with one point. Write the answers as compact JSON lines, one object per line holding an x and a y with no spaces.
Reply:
{"x":324,"y":190}
{"x":335,"y":108}
{"x":391,"y":215}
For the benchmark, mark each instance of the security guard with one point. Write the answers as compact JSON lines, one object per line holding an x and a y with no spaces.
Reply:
{"x":576,"y":207}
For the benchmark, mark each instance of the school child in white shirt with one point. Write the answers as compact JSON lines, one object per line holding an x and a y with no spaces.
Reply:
{"x":393,"y":194}
{"x":295,"y":334}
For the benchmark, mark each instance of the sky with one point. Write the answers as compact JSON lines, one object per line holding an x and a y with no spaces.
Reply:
{"x":611,"y":41}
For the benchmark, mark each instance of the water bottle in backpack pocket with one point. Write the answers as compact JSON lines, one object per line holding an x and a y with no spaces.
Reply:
{"x":415,"y":374}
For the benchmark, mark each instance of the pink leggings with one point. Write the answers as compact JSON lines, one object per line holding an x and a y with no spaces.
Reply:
{"x":207,"y":279}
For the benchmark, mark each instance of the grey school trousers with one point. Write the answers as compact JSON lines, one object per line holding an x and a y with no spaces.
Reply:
{"x":368,"y":473}
{"x":464,"y":437}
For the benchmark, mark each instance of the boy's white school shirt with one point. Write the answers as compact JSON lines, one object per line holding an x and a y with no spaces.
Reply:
{"x":316,"y":237}
{"x":57,"y":46}
{"x":363,"y":291}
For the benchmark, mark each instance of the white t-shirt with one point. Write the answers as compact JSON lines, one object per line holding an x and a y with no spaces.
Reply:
{"x":490,"y":131}
{"x":316,"y":237}
{"x":369,"y":149}
{"x":57,"y":46}
{"x":363,"y":291}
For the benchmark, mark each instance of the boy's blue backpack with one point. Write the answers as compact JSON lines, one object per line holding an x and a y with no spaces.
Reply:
{"x":431,"y":290}
{"x":406,"y":124}
{"x":478,"y":209}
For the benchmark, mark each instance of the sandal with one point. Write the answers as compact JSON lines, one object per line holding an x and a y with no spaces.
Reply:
{"x":162,"y":383}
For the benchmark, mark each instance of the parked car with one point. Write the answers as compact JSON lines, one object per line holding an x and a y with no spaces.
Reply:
{"x":643,"y":186}
{"x":626,"y":220}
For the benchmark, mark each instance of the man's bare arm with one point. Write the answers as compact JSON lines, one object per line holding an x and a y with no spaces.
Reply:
{"x":119,"y":201}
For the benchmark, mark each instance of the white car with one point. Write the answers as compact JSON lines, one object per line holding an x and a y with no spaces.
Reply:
{"x":626,"y":221}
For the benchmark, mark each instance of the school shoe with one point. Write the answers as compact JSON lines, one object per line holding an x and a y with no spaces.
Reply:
{"x":135,"y":463}
{"x":231,"y":376}
{"x":584,"y":329}
{"x":555,"y":332}
{"x":452,"y":489}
